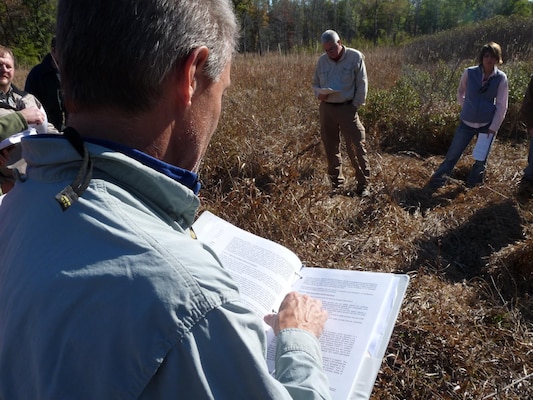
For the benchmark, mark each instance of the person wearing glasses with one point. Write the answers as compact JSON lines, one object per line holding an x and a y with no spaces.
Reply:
{"x":22,"y":104}
{"x":340,"y":83}
{"x":483,"y":95}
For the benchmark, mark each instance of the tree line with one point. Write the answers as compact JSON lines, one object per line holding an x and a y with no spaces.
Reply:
{"x":287,"y":25}
{"x":27,"y":26}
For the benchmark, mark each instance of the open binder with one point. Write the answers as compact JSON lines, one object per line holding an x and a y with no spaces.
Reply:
{"x":363,"y":306}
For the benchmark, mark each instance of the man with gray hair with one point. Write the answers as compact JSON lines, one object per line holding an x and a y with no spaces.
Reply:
{"x":340,"y":83}
{"x":104,"y":292}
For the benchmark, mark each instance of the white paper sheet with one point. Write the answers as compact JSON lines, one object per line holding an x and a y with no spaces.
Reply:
{"x":482,"y":147}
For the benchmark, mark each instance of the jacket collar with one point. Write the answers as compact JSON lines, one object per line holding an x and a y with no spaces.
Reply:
{"x":183,"y":176}
{"x":52,"y":159}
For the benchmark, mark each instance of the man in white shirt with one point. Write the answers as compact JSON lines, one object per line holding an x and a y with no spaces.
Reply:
{"x":342,"y":69}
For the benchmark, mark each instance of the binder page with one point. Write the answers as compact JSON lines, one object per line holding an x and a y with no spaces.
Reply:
{"x":482,"y":147}
{"x":359,"y":305}
{"x":14,"y":139}
{"x":262,"y":269}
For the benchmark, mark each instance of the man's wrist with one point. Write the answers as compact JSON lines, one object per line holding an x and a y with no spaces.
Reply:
{"x":22,"y":120}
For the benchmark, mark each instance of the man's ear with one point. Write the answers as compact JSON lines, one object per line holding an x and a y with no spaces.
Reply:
{"x":191,"y":75}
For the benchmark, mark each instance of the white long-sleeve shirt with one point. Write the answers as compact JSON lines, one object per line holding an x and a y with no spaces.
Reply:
{"x":348,"y":75}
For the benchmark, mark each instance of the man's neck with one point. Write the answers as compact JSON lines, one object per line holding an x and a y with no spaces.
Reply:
{"x":135,"y":131}
{"x":487,"y":71}
{"x":5,"y":90}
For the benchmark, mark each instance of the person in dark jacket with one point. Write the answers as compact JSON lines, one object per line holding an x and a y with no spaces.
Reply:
{"x":43,"y":82}
{"x":526,"y":116}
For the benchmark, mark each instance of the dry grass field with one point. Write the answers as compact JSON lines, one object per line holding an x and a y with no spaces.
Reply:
{"x":466,"y":327}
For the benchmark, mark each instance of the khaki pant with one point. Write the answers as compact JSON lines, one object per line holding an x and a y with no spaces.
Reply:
{"x":337,"y":119}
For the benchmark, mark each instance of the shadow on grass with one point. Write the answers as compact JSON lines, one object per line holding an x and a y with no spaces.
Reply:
{"x":462,"y":252}
{"x":415,"y":199}
{"x":490,"y":245}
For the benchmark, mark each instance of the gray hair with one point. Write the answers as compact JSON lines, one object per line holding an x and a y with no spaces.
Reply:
{"x":329,"y":36}
{"x":119,"y":53}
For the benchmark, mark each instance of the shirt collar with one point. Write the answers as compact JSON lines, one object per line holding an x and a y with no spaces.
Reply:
{"x":341,"y":54}
{"x":494,"y":71}
{"x":183,"y":176}
{"x":7,"y":97}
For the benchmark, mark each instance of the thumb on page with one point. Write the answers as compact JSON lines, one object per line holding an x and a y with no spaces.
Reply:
{"x":272,"y":321}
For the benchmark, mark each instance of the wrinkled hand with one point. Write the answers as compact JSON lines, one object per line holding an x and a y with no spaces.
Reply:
{"x":33,"y":115}
{"x":299,"y":311}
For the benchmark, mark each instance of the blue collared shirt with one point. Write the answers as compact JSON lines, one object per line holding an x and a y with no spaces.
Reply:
{"x":185,"y":177}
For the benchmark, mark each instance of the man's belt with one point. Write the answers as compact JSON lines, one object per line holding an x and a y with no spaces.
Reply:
{"x":343,"y":103}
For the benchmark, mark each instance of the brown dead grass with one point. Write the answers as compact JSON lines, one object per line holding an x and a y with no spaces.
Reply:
{"x":466,"y":328}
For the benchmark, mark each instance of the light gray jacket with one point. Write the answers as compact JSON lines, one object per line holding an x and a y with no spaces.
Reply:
{"x":113,"y":299}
